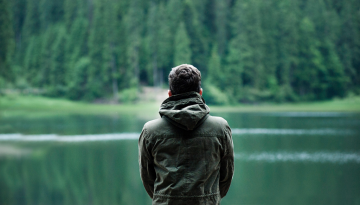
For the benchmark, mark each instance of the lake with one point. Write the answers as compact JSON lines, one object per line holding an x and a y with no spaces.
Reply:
{"x":281,"y":158}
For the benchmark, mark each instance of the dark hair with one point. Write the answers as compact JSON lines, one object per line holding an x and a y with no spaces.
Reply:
{"x":184,"y":78}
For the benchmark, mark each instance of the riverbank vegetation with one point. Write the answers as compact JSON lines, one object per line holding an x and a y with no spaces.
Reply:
{"x":37,"y":105}
{"x":248,"y":51}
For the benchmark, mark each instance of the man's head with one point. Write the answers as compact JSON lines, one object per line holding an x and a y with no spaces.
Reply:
{"x":184,"y":78}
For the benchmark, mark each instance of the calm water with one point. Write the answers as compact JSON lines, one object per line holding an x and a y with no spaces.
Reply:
{"x":280,"y":159}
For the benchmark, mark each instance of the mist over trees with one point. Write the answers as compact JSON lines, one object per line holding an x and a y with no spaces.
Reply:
{"x":247,"y":50}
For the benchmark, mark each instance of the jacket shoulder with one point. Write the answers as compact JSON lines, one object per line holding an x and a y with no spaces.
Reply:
{"x":160,"y":127}
{"x":217,"y":121}
{"x":214,"y":126}
{"x":154,"y":124}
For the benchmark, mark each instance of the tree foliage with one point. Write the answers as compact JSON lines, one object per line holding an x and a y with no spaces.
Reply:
{"x":6,"y":40}
{"x":247,"y":50}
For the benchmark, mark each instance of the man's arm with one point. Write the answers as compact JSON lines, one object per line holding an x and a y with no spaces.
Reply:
{"x":146,"y":164}
{"x":227,"y":163}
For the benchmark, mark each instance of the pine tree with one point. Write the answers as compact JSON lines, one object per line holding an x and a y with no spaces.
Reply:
{"x":199,"y":42}
{"x":165,"y":41}
{"x":98,"y":71}
{"x":349,"y":43}
{"x":269,"y":22}
{"x":77,"y":79}
{"x":174,"y":10}
{"x":170,"y":17}
{"x":32,"y":23}
{"x":215,"y":76}
{"x":356,"y":46}
{"x":287,"y":59}
{"x":32,"y":61}
{"x":336,"y":78}
{"x":182,"y":53}
{"x":134,"y":28}
{"x":221,"y":22}
{"x":6,"y":41}
{"x":311,"y":64}
{"x":284,"y":50}
{"x":240,"y":63}
{"x":234,"y":68}
{"x":19,"y":12}
{"x":152,"y":44}
{"x":72,"y":10}
{"x":44,"y":77}
{"x":75,"y":46}
{"x":109,"y":62}
{"x":57,"y":73}
{"x":121,"y":73}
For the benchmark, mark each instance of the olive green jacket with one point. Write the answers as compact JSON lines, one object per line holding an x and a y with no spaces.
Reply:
{"x":187,"y":156}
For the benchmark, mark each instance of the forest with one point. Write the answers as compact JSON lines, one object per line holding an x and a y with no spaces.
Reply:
{"x":247,"y":50}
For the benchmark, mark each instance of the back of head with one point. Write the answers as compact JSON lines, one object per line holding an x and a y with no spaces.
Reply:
{"x":184,"y":78}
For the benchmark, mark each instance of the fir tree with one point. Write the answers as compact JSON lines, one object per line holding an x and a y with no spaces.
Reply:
{"x":221,"y":22}
{"x":182,"y":46}
{"x":284,"y":50}
{"x":134,"y":28}
{"x":6,"y":41}
{"x":152,"y":44}
{"x":311,"y":63}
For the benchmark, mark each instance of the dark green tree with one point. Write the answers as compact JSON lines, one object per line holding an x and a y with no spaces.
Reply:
{"x":221,"y":21}
{"x":182,"y":53}
{"x":199,"y":41}
{"x":252,"y":50}
{"x":6,"y":42}
{"x":152,"y":41}
{"x":134,"y":28}
{"x":311,"y":63}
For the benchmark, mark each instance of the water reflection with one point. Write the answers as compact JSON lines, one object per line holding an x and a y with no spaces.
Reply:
{"x":69,"y":138}
{"x":263,"y":131}
{"x":309,"y":114}
{"x":280,"y":160}
{"x":86,"y":173}
{"x":134,"y":136}
{"x":322,"y":157}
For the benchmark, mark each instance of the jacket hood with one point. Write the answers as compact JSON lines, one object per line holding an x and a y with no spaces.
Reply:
{"x":185,"y":110}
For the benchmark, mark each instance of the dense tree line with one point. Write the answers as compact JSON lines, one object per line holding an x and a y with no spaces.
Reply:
{"x":247,"y":50}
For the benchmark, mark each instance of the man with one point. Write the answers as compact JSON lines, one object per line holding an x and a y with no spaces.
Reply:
{"x":187,"y":156}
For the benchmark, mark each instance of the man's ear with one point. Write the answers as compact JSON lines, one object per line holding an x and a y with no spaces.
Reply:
{"x":201,"y":91}
{"x":169,"y":92}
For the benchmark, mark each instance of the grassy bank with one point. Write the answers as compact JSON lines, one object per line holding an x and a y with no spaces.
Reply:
{"x":339,"y":105}
{"x":40,"y":106}
{"x":18,"y":105}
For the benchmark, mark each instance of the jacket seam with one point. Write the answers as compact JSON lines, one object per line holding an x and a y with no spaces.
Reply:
{"x":194,"y":136}
{"x":193,"y":196}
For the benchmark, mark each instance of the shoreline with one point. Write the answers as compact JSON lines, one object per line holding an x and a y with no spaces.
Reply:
{"x":22,"y":105}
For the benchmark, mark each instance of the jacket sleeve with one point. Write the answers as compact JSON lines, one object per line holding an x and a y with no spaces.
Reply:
{"x":227,"y":163}
{"x":146,"y":164}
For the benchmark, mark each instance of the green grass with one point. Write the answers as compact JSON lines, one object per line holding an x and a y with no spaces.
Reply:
{"x":39,"y":106}
{"x":42,"y":106}
{"x":325,"y":106}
